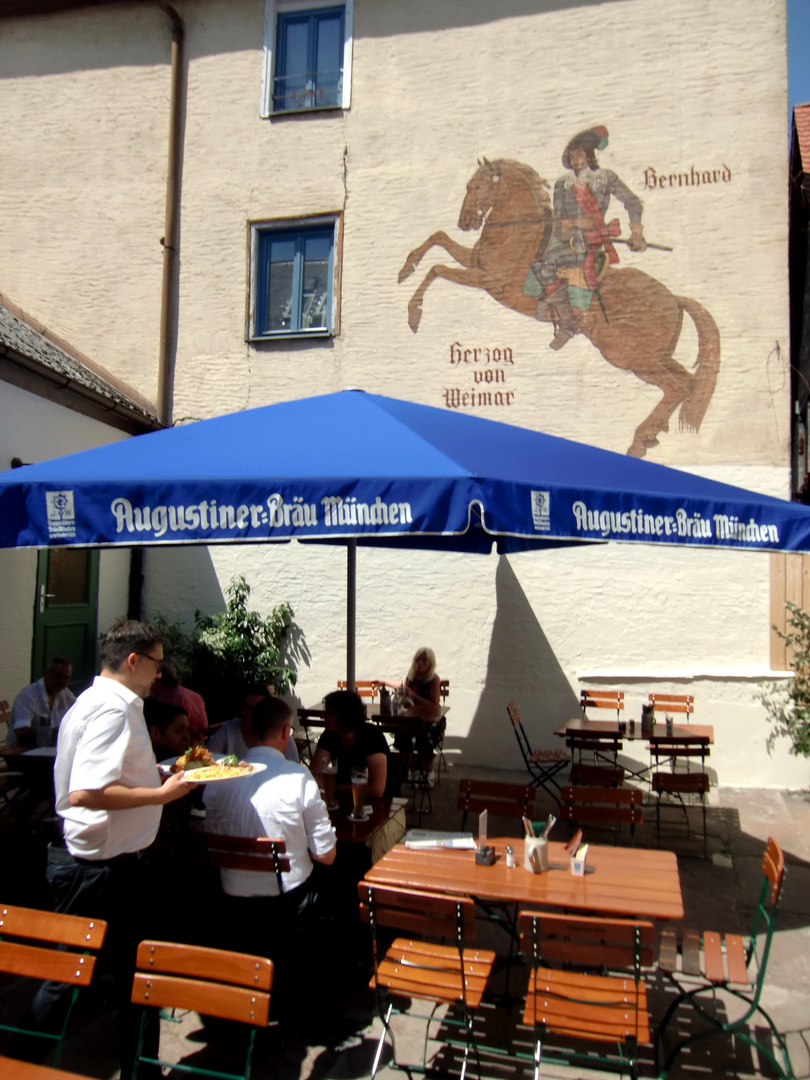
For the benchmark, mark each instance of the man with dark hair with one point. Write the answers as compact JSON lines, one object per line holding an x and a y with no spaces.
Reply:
{"x":282,"y":801}
{"x":168,"y":728}
{"x":234,"y":735}
{"x":38,"y":709}
{"x":109,"y":796}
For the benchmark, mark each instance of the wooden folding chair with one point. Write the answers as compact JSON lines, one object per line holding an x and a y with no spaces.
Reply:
{"x":724,"y":961}
{"x":603,"y":806}
{"x":602,"y":748}
{"x":602,"y":699}
{"x":366,"y":688}
{"x":541,"y":765}
{"x":410,"y":968}
{"x":213,"y":982}
{"x":63,"y":953}
{"x":598,"y":1008}
{"x":261,"y":854}
{"x":683,"y":704}
{"x":686,"y":776}
{"x":508,"y":800}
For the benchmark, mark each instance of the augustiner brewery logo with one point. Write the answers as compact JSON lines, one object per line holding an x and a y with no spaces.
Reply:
{"x":61,"y":514}
{"x":638,"y":522}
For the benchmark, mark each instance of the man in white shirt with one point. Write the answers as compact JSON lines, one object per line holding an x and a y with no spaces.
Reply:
{"x":110,"y":797}
{"x":39,"y":707}
{"x":282,"y":801}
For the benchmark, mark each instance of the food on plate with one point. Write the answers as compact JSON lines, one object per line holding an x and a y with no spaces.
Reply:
{"x":220,"y":772}
{"x":196,"y":757}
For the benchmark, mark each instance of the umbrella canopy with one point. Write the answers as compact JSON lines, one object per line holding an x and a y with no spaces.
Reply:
{"x":357,"y":466}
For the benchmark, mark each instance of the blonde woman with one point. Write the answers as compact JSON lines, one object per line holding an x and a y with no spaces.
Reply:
{"x":421,"y":686}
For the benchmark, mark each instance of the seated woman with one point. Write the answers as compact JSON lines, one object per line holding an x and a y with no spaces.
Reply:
{"x":421,"y":687}
{"x":352,"y":742}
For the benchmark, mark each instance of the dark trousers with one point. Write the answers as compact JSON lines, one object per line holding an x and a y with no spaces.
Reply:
{"x":118,"y":891}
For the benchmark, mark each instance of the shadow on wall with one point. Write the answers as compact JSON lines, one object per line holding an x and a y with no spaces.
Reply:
{"x":521,"y":665}
{"x":179,"y":581}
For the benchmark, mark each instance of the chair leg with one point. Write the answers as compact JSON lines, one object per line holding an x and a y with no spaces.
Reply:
{"x":386,"y":1019}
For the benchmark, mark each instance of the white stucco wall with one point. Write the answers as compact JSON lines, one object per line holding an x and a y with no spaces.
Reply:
{"x":35,"y":429}
{"x":436,"y":87}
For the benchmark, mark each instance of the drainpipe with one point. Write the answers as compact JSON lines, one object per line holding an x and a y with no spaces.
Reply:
{"x":169,"y":241}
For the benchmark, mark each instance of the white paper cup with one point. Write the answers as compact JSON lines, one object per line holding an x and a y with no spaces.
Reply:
{"x":535,"y":855}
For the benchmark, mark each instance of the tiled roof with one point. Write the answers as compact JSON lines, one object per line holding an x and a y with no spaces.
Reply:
{"x":801,"y":123}
{"x":24,"y":341}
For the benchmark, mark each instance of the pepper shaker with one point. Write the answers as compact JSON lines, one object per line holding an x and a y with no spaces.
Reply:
{"x":511,"y":863}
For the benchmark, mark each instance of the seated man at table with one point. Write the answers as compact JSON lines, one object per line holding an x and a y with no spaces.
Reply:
{"x":41,"y":706}
{"x":282,"y":802}
{"x":234,"y":735}
{"x":168,"y":729}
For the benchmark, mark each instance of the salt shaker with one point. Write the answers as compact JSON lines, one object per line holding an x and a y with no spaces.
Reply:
{"x":510,"y":857}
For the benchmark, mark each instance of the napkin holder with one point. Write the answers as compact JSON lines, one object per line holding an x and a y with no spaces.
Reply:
{"x":485,"y":855}
{"x":578,"y":861}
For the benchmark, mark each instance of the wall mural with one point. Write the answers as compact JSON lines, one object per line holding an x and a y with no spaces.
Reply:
{"x":558,"y":264}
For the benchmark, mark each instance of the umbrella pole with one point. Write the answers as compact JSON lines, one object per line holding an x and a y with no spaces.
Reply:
{"x":351,"y":611}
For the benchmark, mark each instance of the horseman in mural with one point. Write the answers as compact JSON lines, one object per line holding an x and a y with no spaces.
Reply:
{"x":569,"y":269}
{"x":635,"y":321}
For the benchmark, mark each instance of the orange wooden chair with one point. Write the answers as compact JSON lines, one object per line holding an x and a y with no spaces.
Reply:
{"x":603,"y":806}
{"x":674,"y":703}
{"x":685,"y":778}
{"x":541,"y":765}
{"x":262,"y":854}
{"x":602,"y":699}
{"x":712,"y":961}
{"x":62,"y":953}
{"x":508,"y":800}
{"x":366,"y":688}
{"x":213,"y":982}
{"x":565,"y":1001}
{"x":412,"y":968}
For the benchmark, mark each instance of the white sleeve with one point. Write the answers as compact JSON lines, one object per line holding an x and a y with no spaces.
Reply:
{"x":320,"y":834}
{"x":23,"y":711}
{"x":100,"y":752}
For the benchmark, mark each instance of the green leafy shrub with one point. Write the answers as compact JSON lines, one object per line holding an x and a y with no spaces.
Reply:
{"x":226,"y":653}
{"x":788,"y":707}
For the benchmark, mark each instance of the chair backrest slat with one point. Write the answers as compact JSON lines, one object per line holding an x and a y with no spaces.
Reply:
{"x":674,"y":703}
{"x":444,"y":689}
{"x":50,"y":926}
{"x":262,"y":854}
{"x":433,"y":914}
{"x":587,"y":940}
{"x":208,"y":998}
{"x":239,"y":969}
{"x":602,"y":699}
{"x":773,"y":867}
{"x":38,"y":963}
{"x":510,"y":800}
{"x":366,"y":688}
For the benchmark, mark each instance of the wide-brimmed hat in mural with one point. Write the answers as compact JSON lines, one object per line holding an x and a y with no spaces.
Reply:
{"x":596,"y":138}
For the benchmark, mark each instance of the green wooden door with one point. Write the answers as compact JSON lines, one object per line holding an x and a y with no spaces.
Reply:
{"x":66,"y":612}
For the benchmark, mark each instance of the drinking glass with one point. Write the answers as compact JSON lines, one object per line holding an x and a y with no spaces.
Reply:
{"x":359,"y":785}
{"x":329,"y":785}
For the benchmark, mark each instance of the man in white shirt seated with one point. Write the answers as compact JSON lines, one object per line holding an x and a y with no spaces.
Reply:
{"x":233,"y":736}
{"x":39,"y":707}
{"x":282,"y":802}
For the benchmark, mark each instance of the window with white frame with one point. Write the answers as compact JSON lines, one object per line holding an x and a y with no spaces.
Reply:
{"x":293,"y":276}
{"x":307,"y":55}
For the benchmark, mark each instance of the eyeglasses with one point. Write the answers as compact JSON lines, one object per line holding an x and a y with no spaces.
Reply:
{"x":158,"y":663}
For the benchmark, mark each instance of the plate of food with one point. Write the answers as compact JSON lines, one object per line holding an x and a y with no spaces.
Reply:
{"x":202,"y":767}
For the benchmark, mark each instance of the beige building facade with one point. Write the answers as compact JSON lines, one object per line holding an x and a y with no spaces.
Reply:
{"x":376,"y":228}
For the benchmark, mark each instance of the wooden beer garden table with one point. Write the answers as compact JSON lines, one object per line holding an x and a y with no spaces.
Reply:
{"x":704,"y":732}
{"x":384,"y":828}
{"x":625,"y":881}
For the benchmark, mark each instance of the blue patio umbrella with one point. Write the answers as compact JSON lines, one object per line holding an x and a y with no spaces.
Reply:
{"x":358,"y":468}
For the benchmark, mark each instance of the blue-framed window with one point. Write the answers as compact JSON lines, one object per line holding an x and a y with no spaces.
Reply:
{"x":309,"y":59}
{"x":293,"y":280}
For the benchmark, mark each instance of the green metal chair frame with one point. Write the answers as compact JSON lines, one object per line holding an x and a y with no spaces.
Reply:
{"x":213,"y":982}
{"x":443,"y":974}
{"x":739,"y":958}
{"x":69,"y":959}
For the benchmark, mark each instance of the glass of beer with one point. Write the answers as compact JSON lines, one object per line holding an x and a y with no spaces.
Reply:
{"x":329,"y":778}
{"x":359,"y":785}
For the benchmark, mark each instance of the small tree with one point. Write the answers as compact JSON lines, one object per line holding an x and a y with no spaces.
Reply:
{"x":788,"y":707}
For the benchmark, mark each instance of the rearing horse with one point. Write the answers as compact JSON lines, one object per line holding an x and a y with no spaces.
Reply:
{"x":639,"y":327}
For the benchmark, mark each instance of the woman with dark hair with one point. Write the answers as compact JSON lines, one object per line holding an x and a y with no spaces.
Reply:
{"x":351,"y":742}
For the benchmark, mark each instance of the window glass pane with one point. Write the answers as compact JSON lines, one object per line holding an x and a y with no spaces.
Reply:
{"x":67,"y":576}
{"x":281,"y":258}
{"x":315,"y":298}
{"x":329,"y":59}
{"x":293,"y":78}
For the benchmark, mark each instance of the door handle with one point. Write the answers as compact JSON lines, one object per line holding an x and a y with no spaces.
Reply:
{"x":42,"y":597}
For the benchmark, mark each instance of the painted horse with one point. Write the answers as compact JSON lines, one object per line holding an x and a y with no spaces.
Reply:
{"x":636,"y":323}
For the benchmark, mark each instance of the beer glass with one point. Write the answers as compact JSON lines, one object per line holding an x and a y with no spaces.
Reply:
{"x":359,"y":785}
{"x":329,"y":777}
